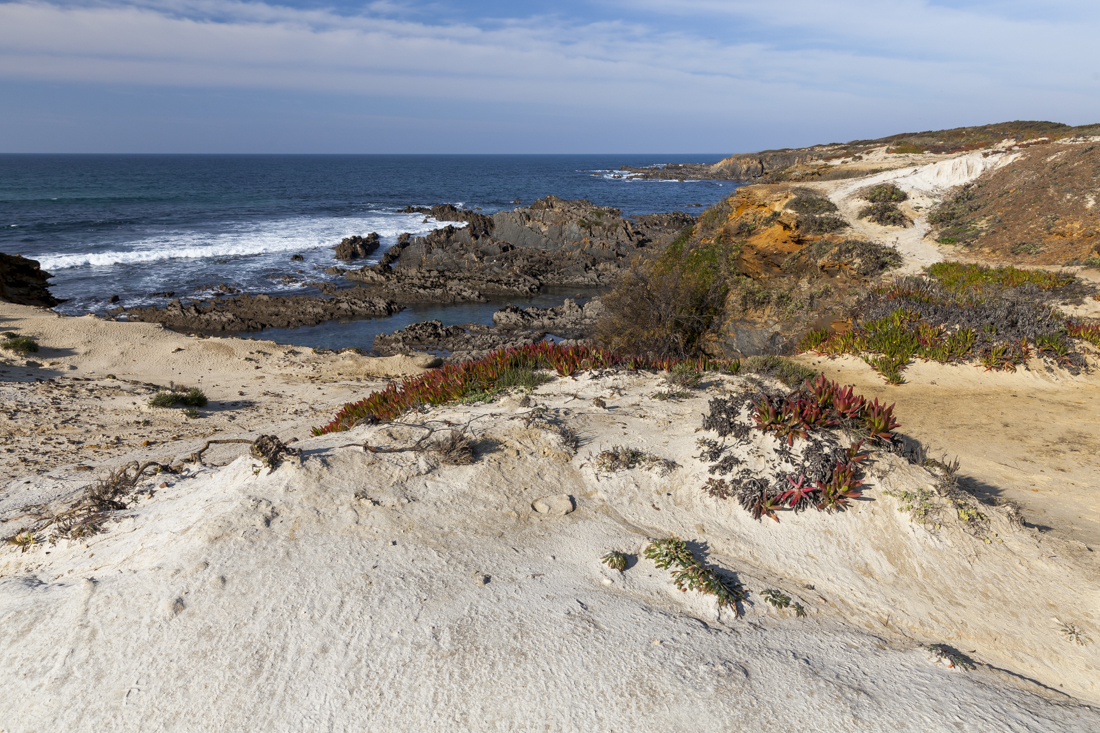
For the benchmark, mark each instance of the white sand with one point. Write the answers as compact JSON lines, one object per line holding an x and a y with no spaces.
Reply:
{"x":387,"y":592}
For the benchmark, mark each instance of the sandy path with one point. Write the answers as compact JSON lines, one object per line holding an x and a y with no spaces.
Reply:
{"x":1028,"y":436}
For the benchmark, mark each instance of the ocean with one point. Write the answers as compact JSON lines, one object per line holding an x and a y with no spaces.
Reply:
{"x":142,"y":226}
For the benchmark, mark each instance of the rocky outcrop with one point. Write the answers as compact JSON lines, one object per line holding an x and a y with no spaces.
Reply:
{"x":512,"y":326}
{"x":480,"y":225}
{"x":357,"y":248}
{"x":22,"y":281}
{"x":553,"y":242}
{"x":256,"y":312}
{"x":568,"y":320}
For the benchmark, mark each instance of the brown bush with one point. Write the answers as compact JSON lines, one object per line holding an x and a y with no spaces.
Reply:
{"x":662,"y":309}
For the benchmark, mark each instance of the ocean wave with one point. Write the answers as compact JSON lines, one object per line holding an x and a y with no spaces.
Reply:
{"x":244,"y":240}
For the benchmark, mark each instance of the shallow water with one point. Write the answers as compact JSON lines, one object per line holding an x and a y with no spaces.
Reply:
{"x":360,"y":333}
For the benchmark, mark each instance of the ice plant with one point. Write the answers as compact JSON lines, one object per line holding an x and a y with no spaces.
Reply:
{"x":879,"y":420}
{"x":798,"y":493}
{"x":457,"y":381}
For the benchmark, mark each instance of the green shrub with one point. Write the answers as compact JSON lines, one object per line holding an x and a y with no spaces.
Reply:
{"x":885,"y":193}
{"x":193,"y":397}
{"x":19,"y":344}
{"x":163,"y":399}
{"x":885,"y":213}
{"x":663,"y":309}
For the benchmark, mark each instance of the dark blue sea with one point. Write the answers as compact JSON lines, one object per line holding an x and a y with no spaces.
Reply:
{"x":139,"y":226}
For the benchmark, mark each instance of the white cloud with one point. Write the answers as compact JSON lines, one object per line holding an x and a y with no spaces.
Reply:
{"x":729,"y":62}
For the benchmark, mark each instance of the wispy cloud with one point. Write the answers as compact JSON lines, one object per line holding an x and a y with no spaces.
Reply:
{"x":707,"y":63}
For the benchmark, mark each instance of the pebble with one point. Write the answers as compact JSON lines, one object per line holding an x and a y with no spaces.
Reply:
{"x":558,"y":504}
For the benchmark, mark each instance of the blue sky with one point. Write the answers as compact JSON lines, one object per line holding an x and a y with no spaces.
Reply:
{"x":613,"y":76}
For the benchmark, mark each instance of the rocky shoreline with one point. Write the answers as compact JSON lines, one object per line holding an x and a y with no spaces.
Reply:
{"x":512,"y":327}
{"x":510,"y":254}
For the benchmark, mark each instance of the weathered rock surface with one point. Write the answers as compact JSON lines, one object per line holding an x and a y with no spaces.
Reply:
{"x":357,"y":248}
{"x":512,"y":327}
{"x":479,"y":224}
{"x":255,"y":312}
{"x":22,"y":281}
{"x":551,"y":243}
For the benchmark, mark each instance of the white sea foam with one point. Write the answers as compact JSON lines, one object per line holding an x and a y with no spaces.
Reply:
{"x":290,"y":235}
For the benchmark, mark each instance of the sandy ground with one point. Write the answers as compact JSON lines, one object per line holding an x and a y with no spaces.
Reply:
{"x":81,"y":401}
{"x":1029,"y":436}
{"x":359,"y":590}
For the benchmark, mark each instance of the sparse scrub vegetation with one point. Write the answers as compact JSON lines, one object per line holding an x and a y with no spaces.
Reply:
{"x":886,"y":214}
{"x":193,"y":397}
{"x":22,"y":345}
{"x":996,"y":316}
{"x":688,"y":573}
{"x":885,"y":193}
{"x":883,"y":206}
{"x":953,"y":217}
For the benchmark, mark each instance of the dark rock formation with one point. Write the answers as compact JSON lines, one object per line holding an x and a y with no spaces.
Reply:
{"x":357,"y":248}
{"x":516,"y":253}
{"x":512,"y":327}
{"x":252,"y":313}
{"x":480,"y":225}
{"x":22,"y":281}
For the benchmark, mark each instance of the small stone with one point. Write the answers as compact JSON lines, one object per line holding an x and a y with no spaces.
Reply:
{"x":558,"y":504}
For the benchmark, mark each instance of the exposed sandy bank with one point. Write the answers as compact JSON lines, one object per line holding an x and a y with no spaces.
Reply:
{"x":59,"y":409}
{"x":388,"y":592}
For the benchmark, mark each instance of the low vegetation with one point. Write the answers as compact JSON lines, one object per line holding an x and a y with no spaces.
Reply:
{"x":953,"y":217}
{"x":882,"y":206}
{"x":689,"y":573}
{"x":19,"y":344}
{"x":193,"y":397}
{"x":615,"y":561}
{"x":781,"y":601}
{"x":828,"y":475}
{"x":885,"y":193}
{"x":998,"y":317}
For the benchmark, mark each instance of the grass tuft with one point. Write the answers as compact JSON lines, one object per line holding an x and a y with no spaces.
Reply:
{"x":193,"y":397}
{"x":19,"y":344}
{"x":688,"y":573}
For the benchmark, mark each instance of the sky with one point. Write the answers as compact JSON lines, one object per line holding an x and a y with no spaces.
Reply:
{"x":610,"y":76}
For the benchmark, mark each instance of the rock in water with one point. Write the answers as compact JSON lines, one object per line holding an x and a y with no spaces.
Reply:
{"x":23,"y":282}
{"x":356,"y":248}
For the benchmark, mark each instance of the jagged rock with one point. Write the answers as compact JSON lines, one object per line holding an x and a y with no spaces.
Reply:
{"x":357,"y":248}
{"x":512,"y":327}
{"x":22,"y":281}
{"x":256,"y":312}
{"x":553,"y":242}
{"x":480,"y":225}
